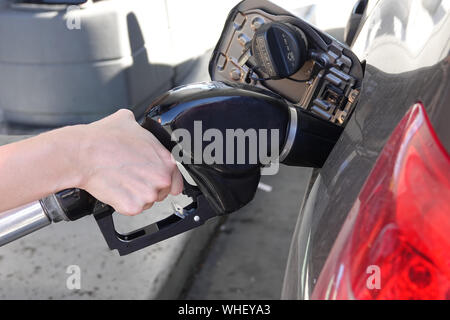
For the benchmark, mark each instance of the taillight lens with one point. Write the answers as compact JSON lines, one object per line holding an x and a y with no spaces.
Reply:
{"x":395,"y":243}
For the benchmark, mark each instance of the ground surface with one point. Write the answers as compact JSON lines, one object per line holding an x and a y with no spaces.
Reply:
{"x":248,"y":257}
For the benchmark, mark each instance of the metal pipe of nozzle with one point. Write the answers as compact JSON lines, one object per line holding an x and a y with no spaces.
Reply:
{"x":18,"y":222}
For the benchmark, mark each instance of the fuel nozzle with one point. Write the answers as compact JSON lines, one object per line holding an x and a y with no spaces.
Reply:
{"x":224,"y":120}
{"x":309,"y":140}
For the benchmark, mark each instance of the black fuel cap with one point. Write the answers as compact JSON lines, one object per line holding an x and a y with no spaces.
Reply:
{"x":279,"y":50}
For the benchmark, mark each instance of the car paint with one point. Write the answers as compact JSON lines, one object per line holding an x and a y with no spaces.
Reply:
{"x":405,"y":45}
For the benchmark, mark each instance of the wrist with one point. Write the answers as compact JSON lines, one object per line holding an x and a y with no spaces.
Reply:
{"x":66,"y":144}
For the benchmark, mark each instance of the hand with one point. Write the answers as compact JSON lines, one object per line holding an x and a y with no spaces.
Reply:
{"x":124,"y":165}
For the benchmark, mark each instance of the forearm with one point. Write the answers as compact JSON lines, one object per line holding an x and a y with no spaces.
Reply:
{"x":36,"y":167}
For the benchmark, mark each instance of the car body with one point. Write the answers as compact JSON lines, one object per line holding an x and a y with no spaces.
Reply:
{"x":405,"y":46}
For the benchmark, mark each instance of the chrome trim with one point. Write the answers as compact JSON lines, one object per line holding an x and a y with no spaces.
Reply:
{"x":291,"y":134}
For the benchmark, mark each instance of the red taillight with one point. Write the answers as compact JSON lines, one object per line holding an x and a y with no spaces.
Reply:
{"x":395,"y":243}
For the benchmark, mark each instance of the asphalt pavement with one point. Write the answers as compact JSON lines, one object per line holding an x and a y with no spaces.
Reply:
{"x":247,"y":258}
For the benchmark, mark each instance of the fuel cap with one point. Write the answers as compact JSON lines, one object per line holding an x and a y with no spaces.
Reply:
{"x":279,"y":49}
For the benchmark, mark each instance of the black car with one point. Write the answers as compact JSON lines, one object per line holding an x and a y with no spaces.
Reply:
{"x":376,"y":217}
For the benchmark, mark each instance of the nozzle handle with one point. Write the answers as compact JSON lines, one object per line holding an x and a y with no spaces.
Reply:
{"x":18,"y":222}
{"x":72,"y":204}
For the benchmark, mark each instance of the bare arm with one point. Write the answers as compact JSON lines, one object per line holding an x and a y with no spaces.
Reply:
{"x":114,"y":159}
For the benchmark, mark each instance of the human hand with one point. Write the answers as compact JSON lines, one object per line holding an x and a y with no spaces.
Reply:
{"x":124,"y":165}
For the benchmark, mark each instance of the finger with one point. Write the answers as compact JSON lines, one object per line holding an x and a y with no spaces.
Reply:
{"x":162,"y":152}
{"x":156,"y":187}
{"x":163,"y":193}
{"x":125,"y":114}
{"x":129,"y":207}
{"x":177,"y":182}
{"x":148,"y":206}
{"x":141,"y":196}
